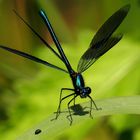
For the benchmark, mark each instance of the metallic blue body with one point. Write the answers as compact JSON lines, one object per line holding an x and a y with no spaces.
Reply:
{"x":79,"y":85}
{"x":79,"y":81}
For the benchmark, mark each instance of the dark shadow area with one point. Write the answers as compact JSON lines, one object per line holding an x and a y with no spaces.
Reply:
{"x":126,"y":135}
{"x":79,"y":110}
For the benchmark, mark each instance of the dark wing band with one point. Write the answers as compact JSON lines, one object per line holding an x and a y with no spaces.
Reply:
{"x":102,"y":38}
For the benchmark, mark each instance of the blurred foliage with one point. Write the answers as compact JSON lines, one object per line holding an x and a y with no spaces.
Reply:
{"x":27,"y":90}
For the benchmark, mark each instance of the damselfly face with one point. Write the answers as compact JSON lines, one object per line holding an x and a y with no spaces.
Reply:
{"x":84,"y":92}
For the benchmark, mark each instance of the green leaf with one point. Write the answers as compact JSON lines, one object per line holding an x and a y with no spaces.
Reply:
{"x":49,"y":129}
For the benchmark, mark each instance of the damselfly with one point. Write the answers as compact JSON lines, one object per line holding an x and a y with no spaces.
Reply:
{"x":100,"y":44}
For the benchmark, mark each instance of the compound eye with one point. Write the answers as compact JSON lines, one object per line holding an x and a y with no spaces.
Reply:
{"x":89,"y":89}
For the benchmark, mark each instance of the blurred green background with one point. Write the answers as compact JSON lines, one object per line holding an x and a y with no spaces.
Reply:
{"x":29,"y":92}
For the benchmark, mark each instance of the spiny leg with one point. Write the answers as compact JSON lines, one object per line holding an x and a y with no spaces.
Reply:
{"x":92,"y":101}
{"x":69,"y":108}
{"x":74,"y":100}
{"x":58,"y":110}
